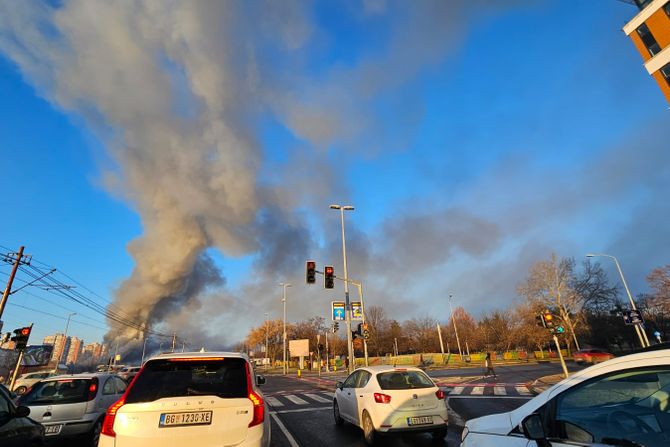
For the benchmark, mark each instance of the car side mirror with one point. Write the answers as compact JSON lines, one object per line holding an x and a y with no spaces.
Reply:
{"x":533,"y":427}
{"x":22,"y":412}
{"x":339,"y":385}
{"x":260,"y":380}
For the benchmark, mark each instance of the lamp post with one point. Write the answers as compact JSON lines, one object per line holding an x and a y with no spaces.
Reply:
{"x":267,"y":352}
{"x":62,"y":350}
{"x":641,"y":334}
{"x":283,"y":300}
{"x":347,"y":304}
{"x":144,"y":348}
{"x":458,"y":342}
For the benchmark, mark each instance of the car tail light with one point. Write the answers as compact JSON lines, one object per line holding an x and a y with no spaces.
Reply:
{"x":93,"y":389}
{"x":259,"y":409}
{"x":439,"y":394}
{"x":256,"y":399}
{"x":382,"y":398}
{"x":108,"y":423}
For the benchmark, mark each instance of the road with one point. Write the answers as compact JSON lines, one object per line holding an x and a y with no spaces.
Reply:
{"x":301,"y":411}
{"x":301,"y":408}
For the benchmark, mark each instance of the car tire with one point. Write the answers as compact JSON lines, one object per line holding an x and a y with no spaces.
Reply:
{"x":336,"y":414}
{"x":94,"y":434}
{"x":20,"y":389}
{"x":439,"y":435}
{"x":369,"y":432}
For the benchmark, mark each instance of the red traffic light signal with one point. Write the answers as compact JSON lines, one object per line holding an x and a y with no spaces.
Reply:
{"x":548,"y":319}
{"x":329,"y":277}
{"x":310,"y":272}
{"x":25,"y":331}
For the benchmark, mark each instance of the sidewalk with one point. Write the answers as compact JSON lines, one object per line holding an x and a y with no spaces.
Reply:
{"x":544,"y":383}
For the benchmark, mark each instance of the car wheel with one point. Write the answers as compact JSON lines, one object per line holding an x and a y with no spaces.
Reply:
{"x":440,"y":434}
{"x":369,"y":429}
{"x":336,"y":414}
{"x":20,"y":389}
{"x":94,"y":434}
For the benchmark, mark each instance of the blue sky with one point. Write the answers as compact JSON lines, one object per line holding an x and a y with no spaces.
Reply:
{"x":506,"y":132}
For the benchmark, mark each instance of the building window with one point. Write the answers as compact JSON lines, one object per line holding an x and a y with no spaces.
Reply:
{"x":648,"y":39}
{"x":665,"y":71}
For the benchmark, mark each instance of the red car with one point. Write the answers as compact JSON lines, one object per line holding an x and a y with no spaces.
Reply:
{"x":591,"y":356}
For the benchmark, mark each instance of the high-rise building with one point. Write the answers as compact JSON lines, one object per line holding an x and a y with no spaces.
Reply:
{"x":61,"y":346}
{"x":94,"y":350}
{"x":650,"y":32}
{"x":75,"y":349}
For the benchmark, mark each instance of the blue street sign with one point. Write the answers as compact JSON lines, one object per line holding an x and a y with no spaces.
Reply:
{"x":337,"y":308}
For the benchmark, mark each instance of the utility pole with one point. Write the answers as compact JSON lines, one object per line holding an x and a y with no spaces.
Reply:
{"x":284,"y":286}
{"x":439,"y":334}
{"x":62,"y":351}
{"x":174,"y":340}
{"x":458,"y":342}
{"x":327,"y":357}
{"x":560,"y":355}
{"x":267,"y":349}
{"x":8,"y":288}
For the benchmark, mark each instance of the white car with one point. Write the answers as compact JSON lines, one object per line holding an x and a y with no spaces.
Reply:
{"x":25,"y":381}
{"x":202,"y":399}
{"x":384,"y":399}
{"x":621,"y":402}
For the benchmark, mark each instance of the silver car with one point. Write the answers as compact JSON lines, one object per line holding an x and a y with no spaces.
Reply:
{"x":73,"y":405}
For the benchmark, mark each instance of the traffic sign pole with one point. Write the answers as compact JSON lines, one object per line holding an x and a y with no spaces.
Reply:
{"x":560,"y":355}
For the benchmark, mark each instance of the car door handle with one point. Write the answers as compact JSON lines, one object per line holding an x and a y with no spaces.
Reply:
{"x":360,"y":395}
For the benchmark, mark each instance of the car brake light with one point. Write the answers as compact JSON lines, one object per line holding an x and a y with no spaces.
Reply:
{"x":108,"y":423}
{"x":382,"y":398}
{"x":439,"y":394}
{"x":259,"y":409}
{"x":93,"y":388}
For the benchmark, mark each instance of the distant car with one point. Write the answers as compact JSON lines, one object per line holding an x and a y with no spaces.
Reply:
{"x":128,"y":373}
{"x":191,"y":399}
{"x":591,"y":356}
{"x":384,"y":399}
{"x":622,"y":402}
{"x":25,"y":381}
{"x":16,"y":428}
{"x":73,"y":405}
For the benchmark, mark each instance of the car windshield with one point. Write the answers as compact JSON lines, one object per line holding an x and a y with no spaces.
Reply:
{"x":55,"y":392}
{"x":403,"y":380}
{"x":226,"y":377}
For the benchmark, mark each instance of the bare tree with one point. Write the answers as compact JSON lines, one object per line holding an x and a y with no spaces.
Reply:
{"x":379,"y":326}
{"x":422,"y":334}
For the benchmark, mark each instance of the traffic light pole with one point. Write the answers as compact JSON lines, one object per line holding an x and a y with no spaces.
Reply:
{"x":560,"y":355}
{"x":18,"y":362}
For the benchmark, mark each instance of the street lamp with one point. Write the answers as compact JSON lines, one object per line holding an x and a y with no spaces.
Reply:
{"x":283,"y":300}
{"x":642,"y":335}
{"x":458,"y":342}
{"x":347,"y":305}
{"x":62,"y":350}
{"x":267,"y":352}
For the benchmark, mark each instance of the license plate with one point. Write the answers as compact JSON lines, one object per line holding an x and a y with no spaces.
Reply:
{"x":52,"y":429}
{"x":190,"y":418}
{"x":421,"y":420}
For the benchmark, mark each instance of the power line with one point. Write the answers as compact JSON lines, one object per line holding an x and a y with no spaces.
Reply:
{"x":56,"y":316}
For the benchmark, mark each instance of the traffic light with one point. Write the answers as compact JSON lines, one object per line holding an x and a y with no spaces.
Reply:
{"x":329,"y":277}
{"x":20,"y":337}
{"x":310,"y":272}
{"x":336,"y":327}
{"x":548,"y":319}
{"x":366,"y":331}
{"x":539,"y":320}
{"x":359,"y":331}
{"x":559,"y":330}
{"x":320,"y":348}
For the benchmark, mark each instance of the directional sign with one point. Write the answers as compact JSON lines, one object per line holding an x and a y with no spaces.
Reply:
{"x":337,"y":308}
{"x":631,"y":317}
{"x":356,"y":310}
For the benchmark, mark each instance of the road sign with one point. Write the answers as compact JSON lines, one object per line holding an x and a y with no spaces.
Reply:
{"x":356,"y":310}
{"x":631,"y":317}
{"x":337,"y":308}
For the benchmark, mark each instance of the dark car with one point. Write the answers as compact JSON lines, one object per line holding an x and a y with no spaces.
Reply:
{"x":16,"y":428}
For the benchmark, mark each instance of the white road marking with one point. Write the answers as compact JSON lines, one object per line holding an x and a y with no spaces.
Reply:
{"x":477,"y":391}
{"x":289,"y":437}
{"x":522,"y":390}
{"x":499,"y":390}
{"x":296,"y":399}
{"x":273,"y":401}
{"x":457,"y":390}
{"x":317,"y":398}
{"x":301,"y":410}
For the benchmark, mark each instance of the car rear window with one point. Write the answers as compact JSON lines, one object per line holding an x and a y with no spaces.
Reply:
{"x":226,"y":377}
{"x":403,"y":380}
{"x":55,"y":392}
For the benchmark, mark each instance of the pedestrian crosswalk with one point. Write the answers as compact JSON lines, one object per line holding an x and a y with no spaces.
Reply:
{"x":283,"y":400}
{"x":485,"y":390}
